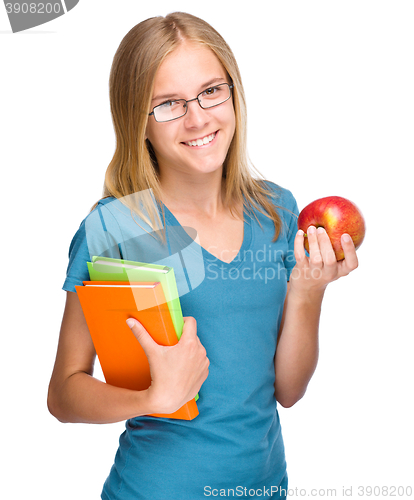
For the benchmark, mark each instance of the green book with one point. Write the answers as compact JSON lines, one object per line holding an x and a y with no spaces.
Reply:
{"x":107,"y":269}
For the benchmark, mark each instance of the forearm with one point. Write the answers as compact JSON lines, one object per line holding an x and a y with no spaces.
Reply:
{"x":297,"y":350}
{"x":84,"y":399}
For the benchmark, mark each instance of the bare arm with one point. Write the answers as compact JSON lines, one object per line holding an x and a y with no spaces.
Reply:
{"x":297,"y":350}
{"x":76,"y":396}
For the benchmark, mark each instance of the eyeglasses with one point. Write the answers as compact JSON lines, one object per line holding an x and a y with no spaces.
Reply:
{"x":173,"y":109}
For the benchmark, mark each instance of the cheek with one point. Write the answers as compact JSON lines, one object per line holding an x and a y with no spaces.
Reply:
{"x":234,"y":122}
{"x":230,"y":114}
{"x":149,"y":132}
{"x":158,"y":136}
{"x":231,"y":119}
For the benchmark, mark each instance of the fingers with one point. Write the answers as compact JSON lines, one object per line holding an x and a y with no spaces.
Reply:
{"x":350,"y":261}
{"x":320,"y":247}
{"x":315,"y":255}
{"x":190,"y":327}
{"x":189,"y":335}
{"x":326,"y":250}
{"x":321,"y":267}
{"x":190,"y":340}
{"x":143,"y":337}
{"x":299,"y":248}
{"x":178,"y":371}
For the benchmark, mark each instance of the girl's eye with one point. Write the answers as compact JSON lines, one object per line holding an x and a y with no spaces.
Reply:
{"x":169,"y":104}
{"x":210,"y":91}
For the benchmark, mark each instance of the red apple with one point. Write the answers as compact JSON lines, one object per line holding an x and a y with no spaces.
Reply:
{"x":338,"y":216}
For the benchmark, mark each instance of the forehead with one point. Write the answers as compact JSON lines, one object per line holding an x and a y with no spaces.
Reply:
{"x":186,"y":69}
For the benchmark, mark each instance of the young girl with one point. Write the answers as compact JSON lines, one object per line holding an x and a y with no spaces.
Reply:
{"x":179,"y":114}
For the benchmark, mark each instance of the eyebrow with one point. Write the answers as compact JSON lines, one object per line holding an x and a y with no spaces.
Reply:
{"x":204,"y":86}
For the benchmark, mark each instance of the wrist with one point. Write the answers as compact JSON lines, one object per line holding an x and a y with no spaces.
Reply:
{"x":159,"y":403}
{"x":308,"y":295}
{"x":145,"y":402}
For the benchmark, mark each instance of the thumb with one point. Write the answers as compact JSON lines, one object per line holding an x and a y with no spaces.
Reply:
{"x":143,"y":337}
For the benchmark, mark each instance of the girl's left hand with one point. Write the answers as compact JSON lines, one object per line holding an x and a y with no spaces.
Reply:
{"x":315,"y":272}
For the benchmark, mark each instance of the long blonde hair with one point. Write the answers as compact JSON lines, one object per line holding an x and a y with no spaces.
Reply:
{"x":133,"y":167}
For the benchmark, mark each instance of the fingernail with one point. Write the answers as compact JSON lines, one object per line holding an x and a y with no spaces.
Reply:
{"x":320,"y":230}
{"x":130,"y":322}
{"x":301,"y":232}
{"x":311,"y":229}
{"x":346,"y":238}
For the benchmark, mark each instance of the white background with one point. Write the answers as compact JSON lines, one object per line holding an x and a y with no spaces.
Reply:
{"x":329,"y":89}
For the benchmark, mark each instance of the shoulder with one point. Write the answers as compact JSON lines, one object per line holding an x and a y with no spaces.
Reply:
{"x":281,"y":197}
{"x":93,"y":228}
{"x":104,"y":201}
{"x":123,"y":228}
{"x":92,"y":222}
{"x":94,"y":212}
{"x":104,"y":215}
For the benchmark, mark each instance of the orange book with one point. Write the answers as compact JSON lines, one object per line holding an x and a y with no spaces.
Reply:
{"x":106,"y":306}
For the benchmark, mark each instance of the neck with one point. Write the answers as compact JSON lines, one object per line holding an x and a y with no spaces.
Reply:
{"x":198,"y":194}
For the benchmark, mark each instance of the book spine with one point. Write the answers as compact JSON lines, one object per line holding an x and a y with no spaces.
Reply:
{"x":171,"y":295}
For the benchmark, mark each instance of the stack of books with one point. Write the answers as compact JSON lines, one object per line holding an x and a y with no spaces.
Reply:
{"x":118,"y":290}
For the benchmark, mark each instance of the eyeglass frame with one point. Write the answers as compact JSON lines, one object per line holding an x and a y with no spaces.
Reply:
{"x":231,"y":86}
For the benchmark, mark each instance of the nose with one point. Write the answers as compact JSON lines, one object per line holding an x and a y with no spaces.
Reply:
{"x":196,"y":116}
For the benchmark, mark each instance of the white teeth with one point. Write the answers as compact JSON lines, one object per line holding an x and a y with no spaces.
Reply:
{"x":200,"y":142}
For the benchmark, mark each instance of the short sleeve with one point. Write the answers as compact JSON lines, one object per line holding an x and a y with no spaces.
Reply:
{"x":288,"y":211}
{"x":92,"y":238}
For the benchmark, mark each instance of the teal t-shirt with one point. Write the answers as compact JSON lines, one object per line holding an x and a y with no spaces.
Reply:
{"x":234,"y":447}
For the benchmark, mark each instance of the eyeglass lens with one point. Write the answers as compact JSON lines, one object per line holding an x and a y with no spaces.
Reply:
{"x":213,"y":96}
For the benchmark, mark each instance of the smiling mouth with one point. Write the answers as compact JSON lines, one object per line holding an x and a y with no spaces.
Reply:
{"x":202,"y":141}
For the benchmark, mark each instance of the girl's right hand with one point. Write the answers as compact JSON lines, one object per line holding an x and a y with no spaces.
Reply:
{"x":177,"y":372}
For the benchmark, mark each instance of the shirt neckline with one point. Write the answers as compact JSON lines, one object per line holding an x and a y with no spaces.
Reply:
{"x":238,"y":259}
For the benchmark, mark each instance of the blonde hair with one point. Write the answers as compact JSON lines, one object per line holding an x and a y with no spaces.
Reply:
{"x":133,"y":167}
